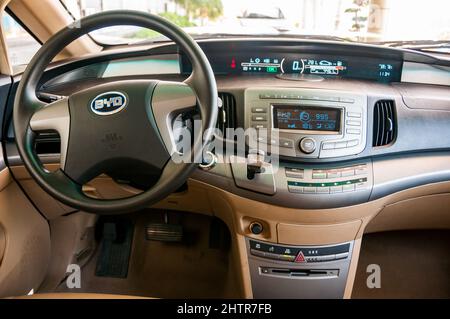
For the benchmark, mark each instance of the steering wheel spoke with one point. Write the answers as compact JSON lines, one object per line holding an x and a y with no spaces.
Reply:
{"x":170,"y":99}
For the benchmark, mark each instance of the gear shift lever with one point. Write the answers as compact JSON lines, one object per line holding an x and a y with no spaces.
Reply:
{"x":255,"y":161}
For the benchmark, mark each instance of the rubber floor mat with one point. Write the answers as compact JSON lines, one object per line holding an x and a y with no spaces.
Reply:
{"x":115,"y":250}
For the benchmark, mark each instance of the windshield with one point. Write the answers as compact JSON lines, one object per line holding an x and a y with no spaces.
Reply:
{"x":394,"y":21}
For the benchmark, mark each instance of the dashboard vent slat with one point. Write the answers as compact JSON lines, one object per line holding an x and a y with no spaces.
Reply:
{"x":384,"y":123}
{"x":227,"y":114}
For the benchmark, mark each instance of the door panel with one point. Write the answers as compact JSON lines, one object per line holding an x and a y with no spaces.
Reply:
{"x":24,"y":233}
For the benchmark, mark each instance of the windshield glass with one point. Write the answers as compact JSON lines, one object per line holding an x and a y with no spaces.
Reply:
{"x":352,"y":20}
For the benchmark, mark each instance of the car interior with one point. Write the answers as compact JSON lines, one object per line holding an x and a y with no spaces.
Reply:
{"x":311,"y":167}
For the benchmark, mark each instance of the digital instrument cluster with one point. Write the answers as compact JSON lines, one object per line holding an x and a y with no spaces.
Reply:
{"x":323,"y":65}
{"x":290,"y":65}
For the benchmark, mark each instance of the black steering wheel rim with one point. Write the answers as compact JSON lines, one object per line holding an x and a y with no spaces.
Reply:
{"x":57,"y":184}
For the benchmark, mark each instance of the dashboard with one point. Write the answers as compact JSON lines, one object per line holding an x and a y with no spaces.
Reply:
{"x":341,"y":118}
{"x":337,"y":132}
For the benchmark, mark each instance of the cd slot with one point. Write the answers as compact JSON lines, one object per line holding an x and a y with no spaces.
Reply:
{"x":310,"y":273}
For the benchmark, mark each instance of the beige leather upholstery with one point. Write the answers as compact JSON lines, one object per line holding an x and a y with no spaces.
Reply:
{"x":78,"y":296}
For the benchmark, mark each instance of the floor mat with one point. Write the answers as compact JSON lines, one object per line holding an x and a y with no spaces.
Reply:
{"x":115,"y":249}
{"x":191,"y":269}
{"x":414,"y":264}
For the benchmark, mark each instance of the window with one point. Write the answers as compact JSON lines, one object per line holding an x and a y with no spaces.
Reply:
{"x":356,"y":20}
{"x":21,"y":45}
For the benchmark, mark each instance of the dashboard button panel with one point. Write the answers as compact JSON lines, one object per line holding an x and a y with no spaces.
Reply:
{"x":295,"y":254}
{"x":328,"y":181}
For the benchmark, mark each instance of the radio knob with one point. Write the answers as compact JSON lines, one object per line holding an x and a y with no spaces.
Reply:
{"x":307,"y":145}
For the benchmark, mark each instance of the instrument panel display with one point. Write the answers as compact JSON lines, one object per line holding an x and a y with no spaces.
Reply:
{"x":301,"y":66}
{"x":307,"y":118}
{"x":323,"y":65}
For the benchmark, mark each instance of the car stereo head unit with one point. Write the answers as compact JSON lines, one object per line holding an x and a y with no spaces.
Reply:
{"x":307,"y":119}
{"x":307,"y":123}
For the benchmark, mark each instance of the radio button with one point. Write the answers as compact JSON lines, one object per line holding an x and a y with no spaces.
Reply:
{"x":259,"y":125}
{"x":360,"y":170}
{"x":295,"y":173}
{"x":286,"y":143}
{"x":353,"y":131}
{"x":333,"y":174}
{"x":335,"y":189}
{"x":323,"y":190}
{"x":328,"y":146}
{"x":340,"y":145}
{"x":296,"y":189}
{"x":353,"y":123}
{"x":319,"y":175}
{"x":354,"y":115}
{"x":309,"y":190}
{"x":348,"y":188}
{"x":259,"y":110}
{"x":259,"y":118}
{"x":347,"y":172}
{"x":307,"y":145}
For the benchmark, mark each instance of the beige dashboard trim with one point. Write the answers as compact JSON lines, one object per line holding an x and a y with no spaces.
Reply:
{"x":352,"y":270}
{"x":314,"y":234}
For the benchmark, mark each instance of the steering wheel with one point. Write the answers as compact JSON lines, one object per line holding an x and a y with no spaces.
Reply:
{"x":117,"y":126}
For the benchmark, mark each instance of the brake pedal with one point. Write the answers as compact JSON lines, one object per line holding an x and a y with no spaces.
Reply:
{"x":164,"y":232}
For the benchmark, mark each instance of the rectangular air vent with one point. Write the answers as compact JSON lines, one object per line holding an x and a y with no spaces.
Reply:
{"x":384,"y":123}
{"x":227,"y":113}
{"x":48,"y":143}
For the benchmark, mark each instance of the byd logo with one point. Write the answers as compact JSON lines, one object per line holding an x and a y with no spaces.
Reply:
{"x":109,"y":103}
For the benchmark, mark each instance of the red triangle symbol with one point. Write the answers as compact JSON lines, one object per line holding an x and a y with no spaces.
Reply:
{"x":300,"y":258}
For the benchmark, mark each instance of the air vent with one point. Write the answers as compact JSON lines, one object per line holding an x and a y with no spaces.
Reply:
{"x":384,"y":123}
{"x":48,"y":143}
{"x":227,"y":113}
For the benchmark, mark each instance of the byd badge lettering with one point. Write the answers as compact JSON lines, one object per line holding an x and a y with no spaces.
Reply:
{"x":109,"y":103}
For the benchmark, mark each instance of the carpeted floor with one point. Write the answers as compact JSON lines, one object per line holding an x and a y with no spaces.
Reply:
{"x":190,"y":269}
{"x":414,"y":264}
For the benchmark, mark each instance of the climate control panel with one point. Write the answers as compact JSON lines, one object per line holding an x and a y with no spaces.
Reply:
{"x":327,"y":181}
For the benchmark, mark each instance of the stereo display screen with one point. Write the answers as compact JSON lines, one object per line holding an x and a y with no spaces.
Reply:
{"x":307,"y":118}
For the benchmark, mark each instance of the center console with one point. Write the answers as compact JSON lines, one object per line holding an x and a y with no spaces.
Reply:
{"x":301,"y":127}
